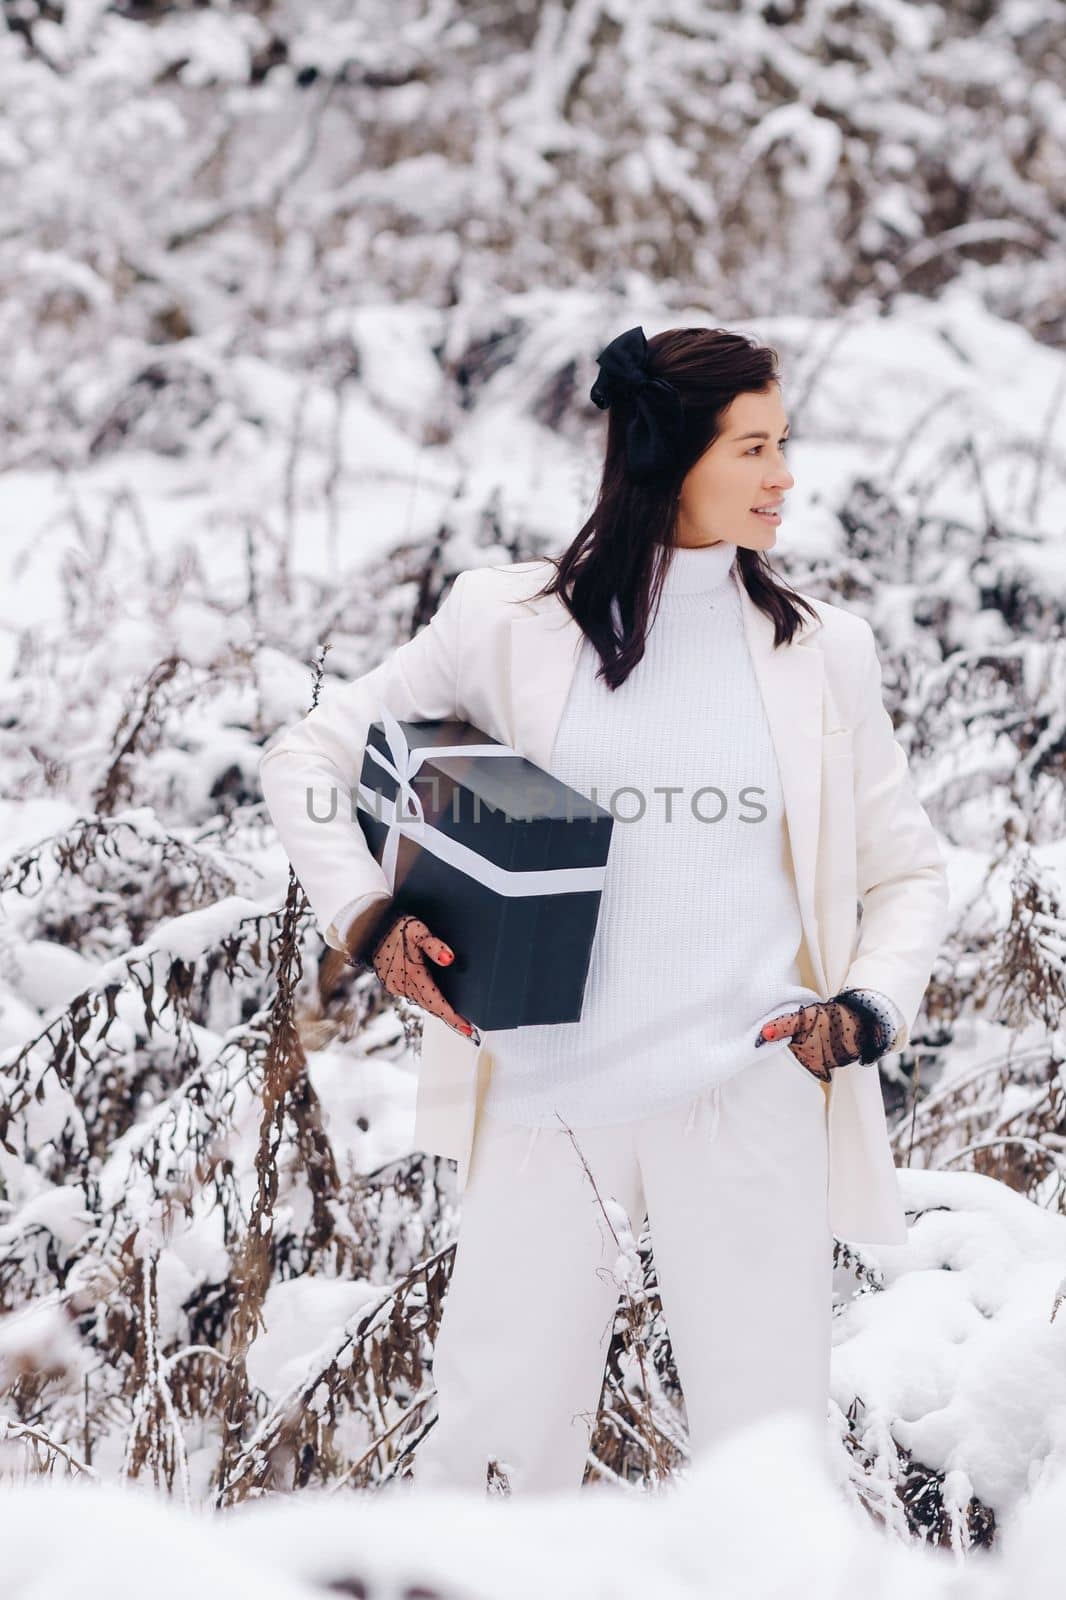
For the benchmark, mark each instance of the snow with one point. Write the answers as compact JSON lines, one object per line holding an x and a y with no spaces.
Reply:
{"x":302,"y":1317}
{"x":958,"y":1343}
{"x":708,"y":1533}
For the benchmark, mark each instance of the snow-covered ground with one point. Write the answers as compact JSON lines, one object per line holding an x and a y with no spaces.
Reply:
{"x":759,"y":1518}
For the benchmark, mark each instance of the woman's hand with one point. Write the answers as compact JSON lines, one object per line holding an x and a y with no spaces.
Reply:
{"x":834,"y":1033}
{"x":401,"y":960}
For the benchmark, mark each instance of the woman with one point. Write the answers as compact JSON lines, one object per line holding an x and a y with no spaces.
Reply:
{"x":716,"y":1079}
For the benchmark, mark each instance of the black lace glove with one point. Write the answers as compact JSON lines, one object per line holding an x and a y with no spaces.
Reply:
{"x":854,"y":1025}
{"x":399,"y":949}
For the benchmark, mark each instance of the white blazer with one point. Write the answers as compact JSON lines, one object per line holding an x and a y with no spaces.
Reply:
{"x":859,"y":836}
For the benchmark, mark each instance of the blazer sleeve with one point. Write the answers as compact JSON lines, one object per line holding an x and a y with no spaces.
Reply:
{"x":902,"y":877}
{"x":309,"y":771}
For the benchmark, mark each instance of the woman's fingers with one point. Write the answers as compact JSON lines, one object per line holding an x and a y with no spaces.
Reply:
{"x":790,"y":1023}
{"x":822,"y":1035}
{"x":779,"y":1028}
{"x":812,"y":1057}
{"x":437,"y":950}
{"x":401,"y":962}
{"x":431,"y":999}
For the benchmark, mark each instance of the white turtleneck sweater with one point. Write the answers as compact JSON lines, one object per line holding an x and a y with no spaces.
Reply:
{"x":699,"y":927}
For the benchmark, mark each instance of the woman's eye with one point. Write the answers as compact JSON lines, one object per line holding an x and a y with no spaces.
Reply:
{"x":757,"y":447}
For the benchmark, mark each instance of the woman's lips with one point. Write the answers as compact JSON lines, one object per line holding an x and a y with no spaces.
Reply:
{"x":767,"y":516}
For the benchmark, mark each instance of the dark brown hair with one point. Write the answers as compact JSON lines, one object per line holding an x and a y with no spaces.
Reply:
{"x":613,"y":556}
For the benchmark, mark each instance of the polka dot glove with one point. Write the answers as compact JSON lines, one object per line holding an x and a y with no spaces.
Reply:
{"x":400,"y":957}
{"x":855,"y":1025}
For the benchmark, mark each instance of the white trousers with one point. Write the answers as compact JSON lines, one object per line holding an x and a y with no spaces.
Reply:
{"x":735,"y":1189}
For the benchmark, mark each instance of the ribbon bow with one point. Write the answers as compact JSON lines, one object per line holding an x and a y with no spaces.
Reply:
{"x":408,"y":806}
{"x":654,"y":430}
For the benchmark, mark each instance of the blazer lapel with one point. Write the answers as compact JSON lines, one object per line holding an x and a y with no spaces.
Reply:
{"x":544,"y":645}
{"x":792,"y":684}
{"x":545,"y":641}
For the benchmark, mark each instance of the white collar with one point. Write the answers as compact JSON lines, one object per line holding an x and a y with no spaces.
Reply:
{"x":695,"y":569}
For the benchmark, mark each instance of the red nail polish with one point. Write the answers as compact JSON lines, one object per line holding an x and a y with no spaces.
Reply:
{"x":448,"y":957}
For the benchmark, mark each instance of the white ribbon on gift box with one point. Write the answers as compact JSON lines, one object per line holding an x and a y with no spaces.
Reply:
{"x":405,"y":815}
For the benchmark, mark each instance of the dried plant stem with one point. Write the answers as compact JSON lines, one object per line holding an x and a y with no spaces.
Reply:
{"x":633,"y":1328}
{"x":21,"y":1430}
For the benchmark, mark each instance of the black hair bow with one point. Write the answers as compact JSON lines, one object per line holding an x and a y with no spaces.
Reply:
{"x":654,"y":430}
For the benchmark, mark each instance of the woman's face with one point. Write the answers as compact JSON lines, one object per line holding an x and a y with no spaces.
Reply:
{"x":744,"y":468}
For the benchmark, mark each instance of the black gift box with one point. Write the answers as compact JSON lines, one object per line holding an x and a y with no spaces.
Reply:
{"x":520,"y":959}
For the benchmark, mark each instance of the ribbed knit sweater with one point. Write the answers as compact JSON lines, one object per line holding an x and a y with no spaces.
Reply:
{"x":699,"y":927}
